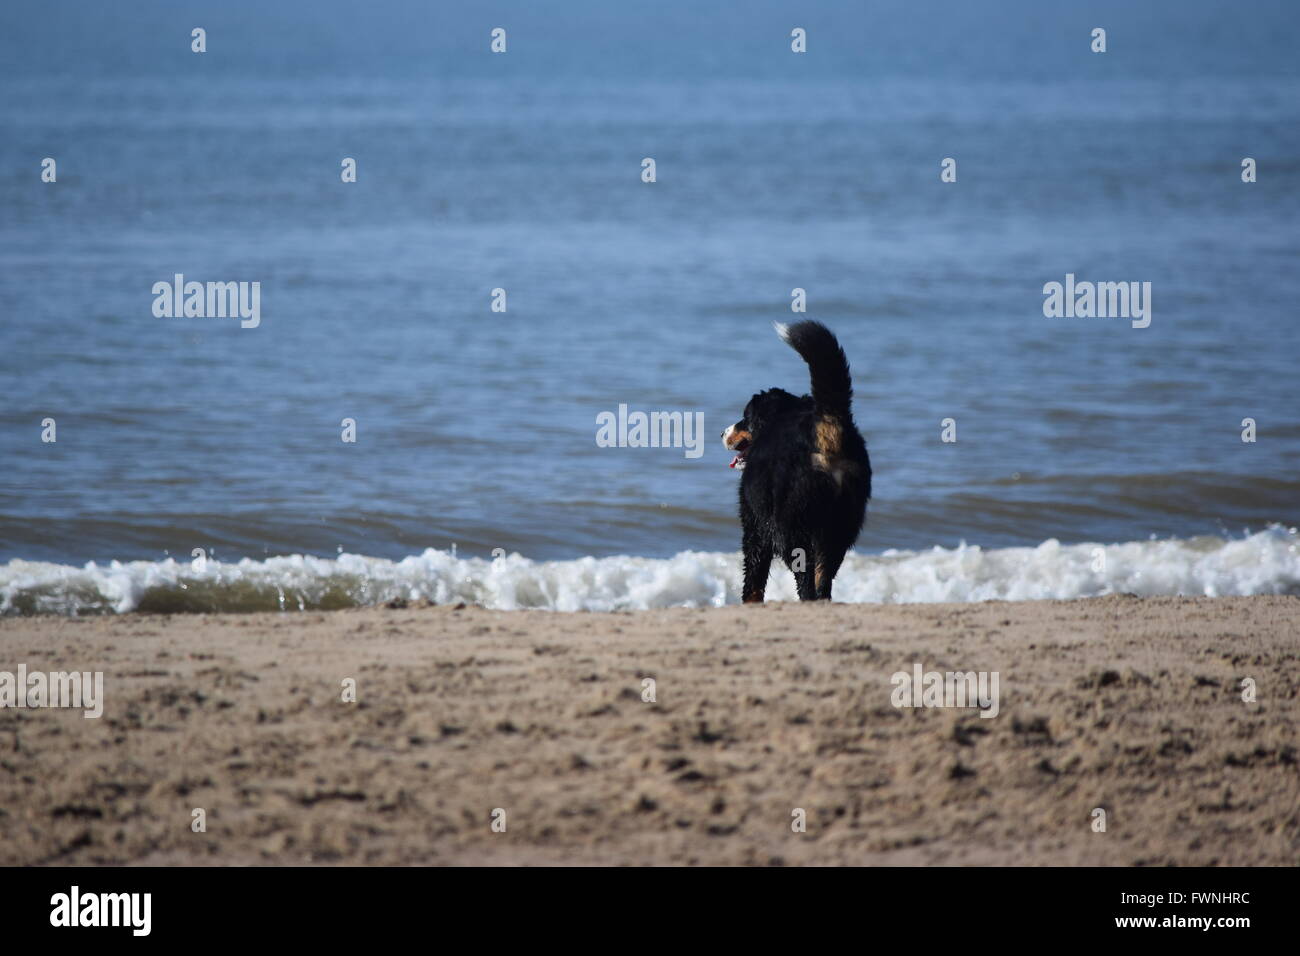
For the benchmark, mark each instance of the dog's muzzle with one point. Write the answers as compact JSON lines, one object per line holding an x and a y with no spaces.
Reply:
{"x":738,"y":439}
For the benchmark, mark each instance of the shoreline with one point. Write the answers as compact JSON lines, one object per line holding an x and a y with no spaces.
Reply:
{"x":1132,"y":705}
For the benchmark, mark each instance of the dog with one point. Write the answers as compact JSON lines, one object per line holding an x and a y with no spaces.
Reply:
{"x":806,"y":476}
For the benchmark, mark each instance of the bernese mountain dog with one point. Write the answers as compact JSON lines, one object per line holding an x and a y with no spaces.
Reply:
{"x":806,"y":476}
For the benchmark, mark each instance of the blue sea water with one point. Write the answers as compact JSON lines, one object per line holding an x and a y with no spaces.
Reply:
{"x":476,"y":429}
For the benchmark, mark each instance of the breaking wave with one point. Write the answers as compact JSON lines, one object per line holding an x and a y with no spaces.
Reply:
{"x":1267,"y":562}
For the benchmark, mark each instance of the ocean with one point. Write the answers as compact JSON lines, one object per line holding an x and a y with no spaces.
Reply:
{"x":200,"y":465}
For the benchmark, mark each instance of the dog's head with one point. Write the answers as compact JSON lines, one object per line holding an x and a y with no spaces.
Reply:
{"x":762,"y":412}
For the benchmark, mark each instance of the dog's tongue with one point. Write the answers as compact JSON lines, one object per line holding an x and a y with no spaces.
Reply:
{"x":737,"y":462}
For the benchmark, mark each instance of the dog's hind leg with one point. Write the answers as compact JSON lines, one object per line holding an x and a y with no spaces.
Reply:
{"x":758,"y":562}
{"x":804,"y":580}
{"x":827,"y":565}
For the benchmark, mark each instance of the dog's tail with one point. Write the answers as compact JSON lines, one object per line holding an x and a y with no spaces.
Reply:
{"x":832,"y":385}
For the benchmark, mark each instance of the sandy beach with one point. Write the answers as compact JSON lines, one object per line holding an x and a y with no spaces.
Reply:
{"x":1130,"y":705}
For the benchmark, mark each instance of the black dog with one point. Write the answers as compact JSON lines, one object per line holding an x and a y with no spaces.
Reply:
{"x":807,"y":477}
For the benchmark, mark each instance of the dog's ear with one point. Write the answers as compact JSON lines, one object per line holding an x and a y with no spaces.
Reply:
{"x":762,"y":407}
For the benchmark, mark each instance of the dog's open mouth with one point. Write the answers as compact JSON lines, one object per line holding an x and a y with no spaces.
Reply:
{"x":740,"y":448}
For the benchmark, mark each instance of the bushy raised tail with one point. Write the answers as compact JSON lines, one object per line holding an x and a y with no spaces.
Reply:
{"x":832,"y":385}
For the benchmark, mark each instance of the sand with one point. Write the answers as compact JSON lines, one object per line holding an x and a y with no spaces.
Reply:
{"x":1130,"y":705}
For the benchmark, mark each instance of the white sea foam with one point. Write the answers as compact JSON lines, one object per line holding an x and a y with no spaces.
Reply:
{"x":1264,"y":563}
